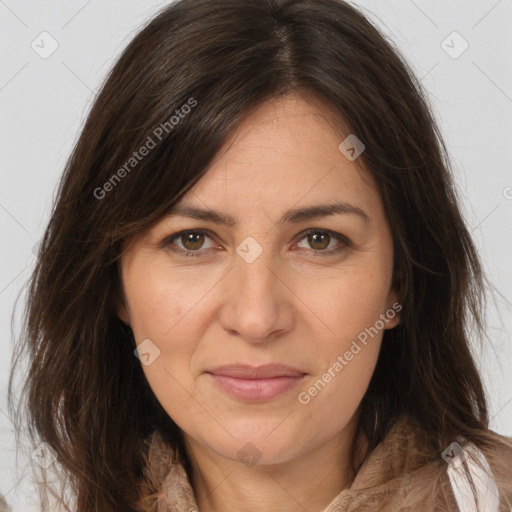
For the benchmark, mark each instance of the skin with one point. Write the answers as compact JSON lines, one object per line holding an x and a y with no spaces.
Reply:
{"x":291,"y":305}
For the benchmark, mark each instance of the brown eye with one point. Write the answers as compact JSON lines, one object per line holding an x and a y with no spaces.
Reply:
{"x":192,"y":241}
{"x":319,"y":241}
{"x":189,"y":243}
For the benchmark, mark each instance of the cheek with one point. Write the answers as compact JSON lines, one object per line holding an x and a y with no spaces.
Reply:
{"x":347,"y":342}
{"x":331,"y":397}
{"x":157,"y":314}
{"x":159,"y":299}
{"x":159,"y":308}
{"x":349,"y":302}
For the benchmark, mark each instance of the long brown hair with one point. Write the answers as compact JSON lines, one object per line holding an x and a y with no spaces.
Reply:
{"x":85,"y":393}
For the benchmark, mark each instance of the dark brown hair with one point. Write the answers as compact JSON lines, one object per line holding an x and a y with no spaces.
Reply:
{"x":85,"y":392}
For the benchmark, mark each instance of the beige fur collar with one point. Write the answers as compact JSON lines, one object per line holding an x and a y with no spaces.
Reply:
{"x":399,"y":474}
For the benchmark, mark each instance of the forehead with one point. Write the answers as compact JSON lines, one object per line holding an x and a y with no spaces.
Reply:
{"x":284,"y":153}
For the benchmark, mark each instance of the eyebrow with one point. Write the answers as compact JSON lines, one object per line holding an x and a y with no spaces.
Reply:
{"x":293,"y":216}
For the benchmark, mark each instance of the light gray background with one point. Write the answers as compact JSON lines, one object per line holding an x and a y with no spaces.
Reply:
{"x":44,"y":103}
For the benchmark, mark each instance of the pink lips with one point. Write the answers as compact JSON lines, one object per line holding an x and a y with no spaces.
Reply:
{"x":256,"y":383}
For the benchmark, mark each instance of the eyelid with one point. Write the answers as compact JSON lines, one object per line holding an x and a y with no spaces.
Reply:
{"x":333,"y":234}
{"x":168,"y":240}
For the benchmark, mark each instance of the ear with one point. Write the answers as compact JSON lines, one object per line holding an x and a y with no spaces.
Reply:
{"x":122,"y":313}
{"x":118,"y":303}
{"x":392,"y":313}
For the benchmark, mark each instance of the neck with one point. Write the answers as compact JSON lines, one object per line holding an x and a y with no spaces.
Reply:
{"x":309,"y":481}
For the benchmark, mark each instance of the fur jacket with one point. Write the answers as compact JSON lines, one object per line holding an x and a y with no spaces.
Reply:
{"x":400,"y":474}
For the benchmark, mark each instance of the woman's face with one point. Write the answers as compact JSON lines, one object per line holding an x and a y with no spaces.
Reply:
{"x":261,"y":290}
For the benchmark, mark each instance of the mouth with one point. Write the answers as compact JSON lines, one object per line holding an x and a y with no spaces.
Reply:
{"x":256,"y":390}
{"x":256,"y":384}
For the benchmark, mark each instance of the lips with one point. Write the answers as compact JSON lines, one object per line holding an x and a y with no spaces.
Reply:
{"x":256,"y":384}
{"x":268,"y":371}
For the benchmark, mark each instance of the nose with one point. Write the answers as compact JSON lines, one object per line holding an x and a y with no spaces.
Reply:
{"x":258,"y":303}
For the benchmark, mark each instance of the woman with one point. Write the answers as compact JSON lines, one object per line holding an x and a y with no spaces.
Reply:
{"x":192,"y":348}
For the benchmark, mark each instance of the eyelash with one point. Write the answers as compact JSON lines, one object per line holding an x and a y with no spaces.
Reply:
{"x":194,"y":254}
